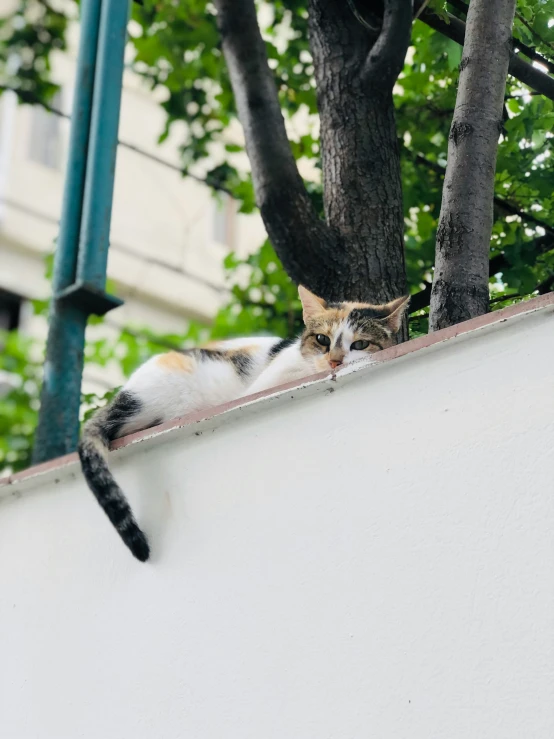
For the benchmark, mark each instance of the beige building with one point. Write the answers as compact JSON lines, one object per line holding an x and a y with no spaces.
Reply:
{"x":169,"y":234}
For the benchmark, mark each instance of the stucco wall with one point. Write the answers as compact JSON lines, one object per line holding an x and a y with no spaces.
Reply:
{"x":366,"y":557}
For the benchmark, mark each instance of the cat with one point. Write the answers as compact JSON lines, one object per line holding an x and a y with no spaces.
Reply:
{"x":175,"y":383}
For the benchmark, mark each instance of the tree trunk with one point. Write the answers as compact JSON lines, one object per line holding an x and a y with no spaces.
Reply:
{"x":358,"y":254}
{"x":461,"y":279}
{"x":303,"y":242}
{"x":360,"y":154}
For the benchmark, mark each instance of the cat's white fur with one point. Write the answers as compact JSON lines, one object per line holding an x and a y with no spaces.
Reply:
{"x":167,"y":394}
{"x":167,"y":389}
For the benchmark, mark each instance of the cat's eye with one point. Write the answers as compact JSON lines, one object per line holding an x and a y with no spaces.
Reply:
{"x":323,"y":340}
{"x":360,"y":345}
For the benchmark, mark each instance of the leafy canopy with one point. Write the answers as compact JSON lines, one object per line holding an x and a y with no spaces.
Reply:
{"x":176,"y":48}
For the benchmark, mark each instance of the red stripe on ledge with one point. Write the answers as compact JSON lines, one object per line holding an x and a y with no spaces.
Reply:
{"x":422,"y":342}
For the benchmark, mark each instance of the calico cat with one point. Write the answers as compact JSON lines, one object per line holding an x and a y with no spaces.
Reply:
{"x":170,"y":385}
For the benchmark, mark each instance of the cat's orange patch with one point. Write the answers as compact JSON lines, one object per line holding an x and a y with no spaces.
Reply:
{"x":336,"y":315}
{"x":211,"y":345}
{"x":220,"y":346}
{"x":329,"y":321}
{"x":251,"y":349}
{"x":176,"y":362}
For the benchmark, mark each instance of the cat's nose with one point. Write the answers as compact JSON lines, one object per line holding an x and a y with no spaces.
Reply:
{"x":334,"y":364}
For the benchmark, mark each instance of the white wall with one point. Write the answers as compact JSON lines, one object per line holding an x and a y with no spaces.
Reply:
{"x":372,"y":557}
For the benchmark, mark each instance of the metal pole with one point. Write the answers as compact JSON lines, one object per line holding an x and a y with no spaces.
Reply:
{"x":60,"y":394}
{"x":65,"y":260}
{"x":102,"y":23}
{"x":97,"y":207}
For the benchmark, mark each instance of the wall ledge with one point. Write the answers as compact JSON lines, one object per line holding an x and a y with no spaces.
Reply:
{"x":323,"y":380}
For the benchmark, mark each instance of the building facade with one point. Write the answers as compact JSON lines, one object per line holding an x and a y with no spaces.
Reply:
{"x":169,"y":234}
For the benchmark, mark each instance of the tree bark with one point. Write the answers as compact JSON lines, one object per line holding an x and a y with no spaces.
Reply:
{"x":358,"y":254}
{"x":460,"y":283}
{"x":303,"y":242}
{"x":355,"y":72}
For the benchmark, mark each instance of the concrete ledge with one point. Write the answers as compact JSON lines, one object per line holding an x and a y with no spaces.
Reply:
{"x":430,"y":341}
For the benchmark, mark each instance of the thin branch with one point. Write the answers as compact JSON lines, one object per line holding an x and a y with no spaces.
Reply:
{"x":503,"y":298}
{"x":503,"y":205}
{"x":424,"y":4}
{"x":30,"y":98}
{"x":527,"y":51}
{"x":386,"y":58}
{"x":359,"y":17}
{"x":539,"y":38}
{"x":498,"y":263}
{"x":455,"y":29}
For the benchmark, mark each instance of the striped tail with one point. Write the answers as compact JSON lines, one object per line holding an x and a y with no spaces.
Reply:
{"x":93,"y":452}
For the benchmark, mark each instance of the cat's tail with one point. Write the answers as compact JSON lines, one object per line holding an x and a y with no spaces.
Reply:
{"x":93,"y":452}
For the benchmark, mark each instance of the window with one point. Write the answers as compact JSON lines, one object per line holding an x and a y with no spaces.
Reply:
{"x":224,"y":221}
{"x":45,"y":143}
{"x":10,"y":309}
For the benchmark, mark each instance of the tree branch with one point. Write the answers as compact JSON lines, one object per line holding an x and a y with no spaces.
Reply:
{"x":530,"y":28}
{"x":498,"y":263}
{"x":546,"y":286}
{"x":386,"y":58}
{"x":503,"y":206}
{"x":527,"y":51}
{"x":540,"y":245}
{"x":455,"y":29}
{"x":299,"y":236}
{"x":359,"y":146}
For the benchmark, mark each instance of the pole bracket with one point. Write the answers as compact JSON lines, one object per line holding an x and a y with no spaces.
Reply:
{"x":88,"y":298}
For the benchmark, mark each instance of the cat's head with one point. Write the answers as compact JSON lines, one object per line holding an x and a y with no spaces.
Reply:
{"x":342,"y":333}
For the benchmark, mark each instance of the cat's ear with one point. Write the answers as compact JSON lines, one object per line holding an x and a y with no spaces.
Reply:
{"x":311,"y":304}
{"x":395,"y":313}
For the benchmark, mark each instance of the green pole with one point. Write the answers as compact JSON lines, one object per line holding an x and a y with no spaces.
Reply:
{"x":97,"y":208}
{"x":81,"y":255}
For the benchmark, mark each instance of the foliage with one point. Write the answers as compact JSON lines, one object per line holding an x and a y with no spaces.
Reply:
{"x":21,"y":372}
{"x":28,"y":37}
{"x":176,"y":49}
{"x":264,"y":302}
{"x":524,"y":172}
